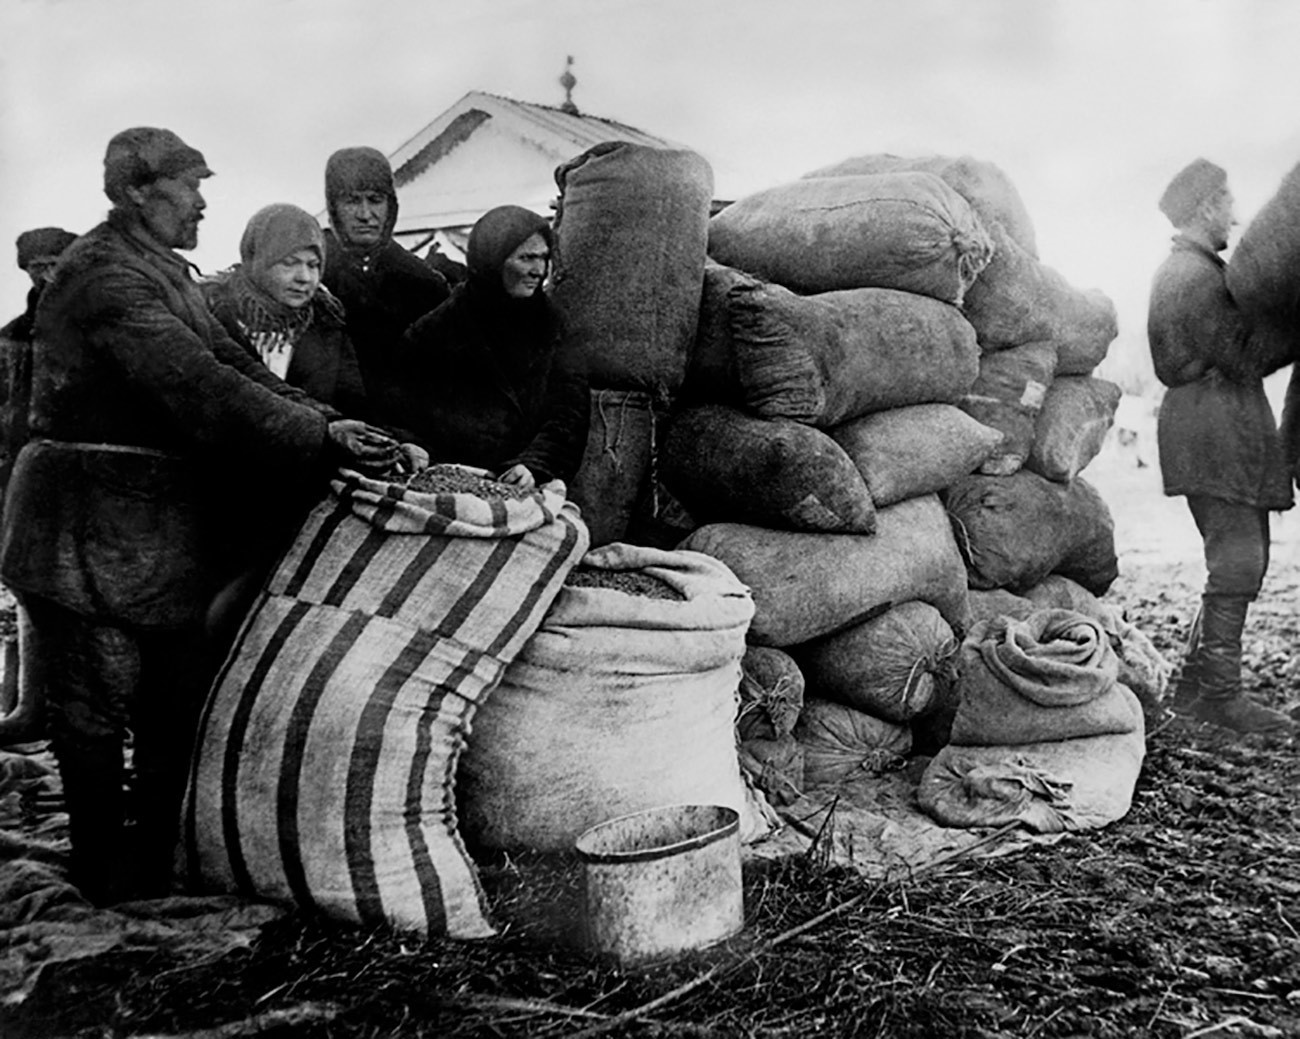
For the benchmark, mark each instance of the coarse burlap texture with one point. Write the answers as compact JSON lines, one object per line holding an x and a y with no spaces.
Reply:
{"x":1017,"y":299}
{"x":832,"y":357}
{"x":723,"y":464}
{"x":630,"y":239}
{"x":840,"y":743}
{"x":618,"y":464}
{"x":775,"y":766}
{"x":1050,"y":676}
{"x":771,"y":693}
{"x":888,"y":666}
{"x":325,"y":761}
{"x":1263,"y":273}
{"x":711,"y":376}
{"x":915,"y":450}
{"x":906,"y":231}
{"x":1052,"y":787}
{"x":1015,"y":530}
{"x":1071,"y":426}
{"x":1007,"y":395}
{"x":988,"y":189}
{"x":618,"y":703}
{"x":809,"y":585}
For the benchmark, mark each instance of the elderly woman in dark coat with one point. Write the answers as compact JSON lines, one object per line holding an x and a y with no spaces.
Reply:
{"x":495,"y":388}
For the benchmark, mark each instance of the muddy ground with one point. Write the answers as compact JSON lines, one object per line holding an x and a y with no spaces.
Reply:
{"x":1181,"y":920}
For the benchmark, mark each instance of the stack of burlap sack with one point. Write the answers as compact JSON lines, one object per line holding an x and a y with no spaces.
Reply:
{"x":888,"y":403}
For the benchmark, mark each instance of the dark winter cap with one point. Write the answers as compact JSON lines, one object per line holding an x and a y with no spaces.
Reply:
{"x":498,"y":233}
{"x":143,"y":154}
{"x":42,"y":242}
{"x":1194,"y":184}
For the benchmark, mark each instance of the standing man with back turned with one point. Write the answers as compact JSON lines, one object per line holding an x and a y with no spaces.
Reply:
{"x":1218,"y":443}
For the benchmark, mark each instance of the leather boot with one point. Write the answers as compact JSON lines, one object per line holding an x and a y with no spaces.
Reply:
{"x":1187,"y":686}
{"x":1223,"y":618}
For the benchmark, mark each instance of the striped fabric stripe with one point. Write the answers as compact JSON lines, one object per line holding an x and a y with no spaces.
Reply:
{"x":329,"y":745}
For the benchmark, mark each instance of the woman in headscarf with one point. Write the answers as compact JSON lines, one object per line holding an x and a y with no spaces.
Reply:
{"x":274,"y":304}
{"x":493,"y":386}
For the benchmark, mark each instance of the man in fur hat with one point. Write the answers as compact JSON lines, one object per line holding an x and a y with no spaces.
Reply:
{"x":1218,"y":443}
{"x":159,"y":450}
{"x":383,"y":287}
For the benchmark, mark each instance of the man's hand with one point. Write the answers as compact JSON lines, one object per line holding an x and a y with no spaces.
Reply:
{"x":363,"y":446}
{"x":519,"y":476}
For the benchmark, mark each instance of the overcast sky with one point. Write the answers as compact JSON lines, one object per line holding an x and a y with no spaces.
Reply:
{"x":1088,"y":105}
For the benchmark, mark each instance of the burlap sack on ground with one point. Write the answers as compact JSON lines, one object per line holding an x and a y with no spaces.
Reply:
{"x":1051,"y":676}
{"x":1007,"y":395}
{"x":1015,"y":530}
{"x":808,"y":585}
{"x":832,"y":357}
{"x":889,"y":666}
{"x":724,"y":464}
{"x":907,"y":231}
{"x":840,"y":743}
{"x":1048,"y":787}
{"x":915,"y":450}
{"x":619,"y":702}
{"x":987,"y":188}
{"x":631,"y":234}
{"x":1071,"y":426}
{"x":988,"y":603}
{"x":775,"y":766}
{"x":327,"y":751}
{"x":1263,"y":273}
{"x":771,"y":694}
{"x":1017,"y":299}
{"x":1142,"y":667}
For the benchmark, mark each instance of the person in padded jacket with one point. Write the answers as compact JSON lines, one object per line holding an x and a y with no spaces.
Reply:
{"x":1218,"y":443}
{"x":493,"y":385}
{"x":159,"y":447}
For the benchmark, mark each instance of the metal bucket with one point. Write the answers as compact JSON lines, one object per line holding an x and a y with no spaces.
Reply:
{"x":662,"y":881}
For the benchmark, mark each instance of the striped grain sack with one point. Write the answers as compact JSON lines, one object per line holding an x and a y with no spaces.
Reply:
{"x":987,"y":188}
{"x":911,"y":451}
{"x":619,"y":702}
{"x":892,"y":666}
{"x":1007,"y":396}
{"x":631,"y":236}
{"x":835,"y":356}
{"x":327,"y":751}
{"x":809,"y":585}
{"x":724,"y":464}
{"x":907,"y":231}
{"x":1071,"y":426}
{"x":1015,"y":530}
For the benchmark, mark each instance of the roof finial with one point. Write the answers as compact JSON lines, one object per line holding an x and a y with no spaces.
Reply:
{"x":568,"y":81}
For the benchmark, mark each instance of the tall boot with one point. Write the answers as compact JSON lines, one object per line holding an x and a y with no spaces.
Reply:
{"x":1187,"y":686}
{"x":1223,"y":618}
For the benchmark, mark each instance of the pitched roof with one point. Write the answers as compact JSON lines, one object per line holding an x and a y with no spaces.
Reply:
{"x":556,"y":132}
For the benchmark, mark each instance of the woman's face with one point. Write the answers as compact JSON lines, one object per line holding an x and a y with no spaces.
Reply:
{"x":294,"y":279}
{"x":525,"y":269}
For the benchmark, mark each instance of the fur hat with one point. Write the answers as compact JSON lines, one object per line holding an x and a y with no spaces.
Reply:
{"x":360,"y":169}
{"x":1194,"y":184}
{"x":42,"y":241}
{"x":143,"y":154}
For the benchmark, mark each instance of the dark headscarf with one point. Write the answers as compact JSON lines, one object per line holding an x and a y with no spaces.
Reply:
{"x":360,"y":169}
{"x":497,"y":234}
